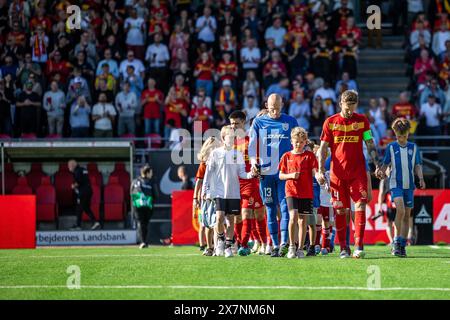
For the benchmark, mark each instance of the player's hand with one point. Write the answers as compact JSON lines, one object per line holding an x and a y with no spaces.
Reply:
{"x":295,"y":175}
{"x":254,"y":170}
{"x":195,"y":204}
{"x":320,"y":177}
{"x":422,"y":184}
{"x":379,"y":173}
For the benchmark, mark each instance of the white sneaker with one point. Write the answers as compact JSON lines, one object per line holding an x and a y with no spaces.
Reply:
{"x":268,"y":250}
{"x":228,"y":253}
{"x":359,"y":254}
{"x":344,"y":254}
{"x":96,"y":226}
{"x":291,"y":252}
{"x":234,"y":248}
{"x":255,"y":247}
{"x":300,"y":254}
{"x":220,"y":248}
{"x":262,"y":249}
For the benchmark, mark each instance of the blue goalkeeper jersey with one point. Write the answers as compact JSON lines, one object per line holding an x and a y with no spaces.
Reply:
{"x":269,"y":140}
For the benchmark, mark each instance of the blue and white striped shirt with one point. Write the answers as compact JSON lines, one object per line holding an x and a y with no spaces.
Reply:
{"x":402,"y":161}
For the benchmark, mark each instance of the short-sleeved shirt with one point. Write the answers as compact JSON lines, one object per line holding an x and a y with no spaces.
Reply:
{"x":345,"y":138}
{"x":402,"y":159}
{"x":201,"y":171}
{"x":304,"y":163}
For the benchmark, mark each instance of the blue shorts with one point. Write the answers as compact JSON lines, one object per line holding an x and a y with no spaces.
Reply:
{"x":272,"y":189}
{"x":406,"y":194}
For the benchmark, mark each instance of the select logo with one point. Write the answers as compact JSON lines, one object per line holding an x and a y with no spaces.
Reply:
{"x":423,"y":217}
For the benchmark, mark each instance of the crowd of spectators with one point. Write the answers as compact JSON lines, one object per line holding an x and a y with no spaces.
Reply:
{"x":141,"y":67}
{"x":428,"y":58}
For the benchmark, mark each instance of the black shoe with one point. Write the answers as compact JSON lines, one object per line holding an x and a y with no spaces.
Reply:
{"x":403,"y":252}
{"x":202,"y":248}
{"x":275,"y":253}
{"x":397,"y":251}
{"x":311,"y":252}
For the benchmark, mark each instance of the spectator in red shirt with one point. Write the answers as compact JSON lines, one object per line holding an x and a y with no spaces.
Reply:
{"x":200,"y":113}
{"x":180,"y":88}
{"x":275,"y":60}
{"x":423,"y":65}
{"x":343,"y":32}
{"x":42,"y":20}
{"x":204,"y":71}
{"x":176,"y":108}
{"x":151,"y":101}
{"x":56,"y":65}
{"x":404,"y":108}
{"x":227,"y":69}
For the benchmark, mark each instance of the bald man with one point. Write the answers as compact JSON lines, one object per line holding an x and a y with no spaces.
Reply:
{"x":270,"y":138}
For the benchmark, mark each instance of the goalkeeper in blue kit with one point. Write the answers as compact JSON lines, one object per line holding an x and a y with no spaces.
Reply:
{"x":270,"y":138}
{"x":143,"y":194}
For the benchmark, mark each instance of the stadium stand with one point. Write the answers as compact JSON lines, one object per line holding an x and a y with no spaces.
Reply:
{"x":46,"y":205}
{"x":114,"y":200}
{"x":22,"y":187}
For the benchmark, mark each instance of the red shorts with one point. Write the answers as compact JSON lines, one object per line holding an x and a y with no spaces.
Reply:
{"x":343,"y":190}
{"x":250,"y":197}
{"x":326,"y":212}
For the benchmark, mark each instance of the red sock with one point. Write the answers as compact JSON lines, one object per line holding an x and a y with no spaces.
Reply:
{"x":261,"y":227}
{"x":253,"y":233}
{"x":360,"y":226}
{"x":318,"y":232}
{"x":245,"y":235}
{"x":341,"y":229}
{"x":238,"y":232}
{"x":325,"y":238}
{"x":269,"y":238}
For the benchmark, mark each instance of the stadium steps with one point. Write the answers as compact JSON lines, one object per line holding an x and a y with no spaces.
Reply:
{"x":381,"y":72}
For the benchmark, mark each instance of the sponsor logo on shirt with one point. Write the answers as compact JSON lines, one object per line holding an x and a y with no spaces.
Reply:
{"x":346,"y":128}
{"x":351,"y":139}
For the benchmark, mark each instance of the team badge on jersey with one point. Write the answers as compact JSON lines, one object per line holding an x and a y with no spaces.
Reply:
{"x":355,"y":126}
{"x":285,"y":126}
{"x":410,"y":152}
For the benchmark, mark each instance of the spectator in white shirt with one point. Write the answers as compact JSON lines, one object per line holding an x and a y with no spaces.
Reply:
{"x":126,"y":105}
{"x":276,"y":32}
{"x":135,"y":30}
{"x":250,"y":56}
{"x":414,"y":37}
{"x":432,"y":112}
{"x":103,"y":115}
{"x":251,"y":109}
{"x":301,"y":111}
{"x":157,"y":56}
{"x":79,"y":118}
{"x":414,"y":7}
{"x":54,"y":103}
{"x":206,"y":26}
{"x":439,"y":39}
{"x":139,"y":69}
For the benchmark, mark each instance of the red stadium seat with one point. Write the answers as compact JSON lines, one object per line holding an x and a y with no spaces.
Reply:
{"x":124,"y":179}
{"x":22,"y":187}
{"x":94,"y":173}
{"x":63,"y":180}
{"x":95,"y":201}
{"x":29,"y":136}
{"x":155,"y":140}
{"x":46,"y":207}
{"x":114,"y":200}
{"x":4,"y":137}
{"x":54,"y":136}
{"x":35,"y":175}
{"x":10,"y":178}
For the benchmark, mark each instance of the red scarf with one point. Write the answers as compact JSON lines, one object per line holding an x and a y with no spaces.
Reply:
{"x":39,"y":46}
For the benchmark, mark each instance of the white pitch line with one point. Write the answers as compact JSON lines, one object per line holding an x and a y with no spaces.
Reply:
{"x":103,"y":256}
{"x":222,"y":287}
{"x":440,"y":247}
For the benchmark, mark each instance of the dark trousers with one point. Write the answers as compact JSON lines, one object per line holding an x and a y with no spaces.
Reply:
{"x":143,"y":216}
{"x":84,"y":205}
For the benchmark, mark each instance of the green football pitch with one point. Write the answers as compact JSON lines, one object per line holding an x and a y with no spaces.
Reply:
{"x":182,"y":273}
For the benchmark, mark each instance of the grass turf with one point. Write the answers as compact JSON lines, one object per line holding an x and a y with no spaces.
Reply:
{"x":182,"y":273}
